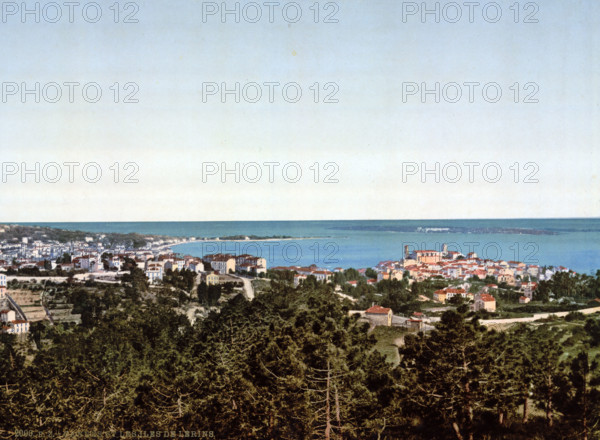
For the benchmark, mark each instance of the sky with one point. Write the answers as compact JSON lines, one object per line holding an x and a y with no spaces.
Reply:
{"x":361,"y":140}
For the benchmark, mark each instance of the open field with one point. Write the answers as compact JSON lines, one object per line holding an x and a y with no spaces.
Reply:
{"x":388,"y":341}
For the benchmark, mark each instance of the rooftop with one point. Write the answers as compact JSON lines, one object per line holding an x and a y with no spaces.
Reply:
{"x":378,"y":310}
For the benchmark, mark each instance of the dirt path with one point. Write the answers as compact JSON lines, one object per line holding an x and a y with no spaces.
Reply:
{"x":535,"y":317}
{"x":248,"y":289}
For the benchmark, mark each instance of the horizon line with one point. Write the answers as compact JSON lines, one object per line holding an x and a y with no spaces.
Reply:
{"x":299,"y":220}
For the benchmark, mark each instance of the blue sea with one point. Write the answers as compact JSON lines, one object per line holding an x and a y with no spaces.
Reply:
{"x":573,"y":243}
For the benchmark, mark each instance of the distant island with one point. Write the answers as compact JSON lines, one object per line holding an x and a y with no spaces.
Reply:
{"x":445,"y":230}
{"x":252,"y":237}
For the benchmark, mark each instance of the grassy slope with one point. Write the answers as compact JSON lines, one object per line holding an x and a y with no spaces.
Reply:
{"x":387,"y":340}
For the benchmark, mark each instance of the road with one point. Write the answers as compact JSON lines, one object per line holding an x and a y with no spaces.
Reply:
{"x":348,"y":297}
{"x":535,"y":317}
{"x":26,"y":278}
{"x":109,"y":277}
{"x":248,"y":289}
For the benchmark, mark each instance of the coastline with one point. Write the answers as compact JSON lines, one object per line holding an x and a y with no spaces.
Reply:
{"x":577,"y":249}
{"x":218,"y":240}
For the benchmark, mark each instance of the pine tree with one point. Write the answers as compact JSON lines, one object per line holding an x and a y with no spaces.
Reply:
{"x":580,"y":398}
{"x":545,"y":352}
{"x":445,"y":372}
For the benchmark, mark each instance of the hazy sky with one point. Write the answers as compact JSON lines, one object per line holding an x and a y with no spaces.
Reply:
{"x":374,"y":140}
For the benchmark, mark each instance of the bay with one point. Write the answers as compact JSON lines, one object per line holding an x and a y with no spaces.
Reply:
{"x":572,"y":243}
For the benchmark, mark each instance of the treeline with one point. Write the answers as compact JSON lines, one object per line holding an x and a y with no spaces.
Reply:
{"x":184,"y":279}
{"x":484,"y":384}
{"x":292,"y":364}
{"x":569,"y":285}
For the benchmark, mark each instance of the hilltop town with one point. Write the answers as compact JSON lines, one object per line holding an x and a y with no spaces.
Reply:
{"x":420,"y":265}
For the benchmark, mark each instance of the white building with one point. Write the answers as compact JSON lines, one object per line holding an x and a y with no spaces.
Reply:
{"x":82,"y":262}
{"x":250,"y":260}
{"x":7,"y":316}
{"x":484,"y":301}
{"x":223,"y":263}
{"x":195,"y":266}
{"x":154,"y":272}
{"x":322,"y":275}
{"x":298,"y":278}
{"x":17,"y":327}
{"x":251,"y":268}
{"x":2,"y":286}
{"x":10,"y":323}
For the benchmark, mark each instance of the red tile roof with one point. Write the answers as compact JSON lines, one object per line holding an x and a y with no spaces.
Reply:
{"x":378,"y":310}
{"x":487,"y":297}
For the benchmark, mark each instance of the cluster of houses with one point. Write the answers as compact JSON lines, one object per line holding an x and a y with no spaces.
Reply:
{"x":482,"y":300}
{"x":227,"y":263}
{"x":155,"y":266}
{"x":422,"y":264}
{"x":29,"y":250}
{"x":210,"y":266}
{"x":39,"y":251}
{"x":154,"y":262}
{"x":8,"y":318}
{"x":450,"y":265}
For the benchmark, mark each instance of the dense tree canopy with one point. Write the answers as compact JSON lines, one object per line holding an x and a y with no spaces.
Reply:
{"x":291,"y":364}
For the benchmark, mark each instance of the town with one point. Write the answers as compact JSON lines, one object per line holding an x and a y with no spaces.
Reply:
{"x":91,"y":259}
